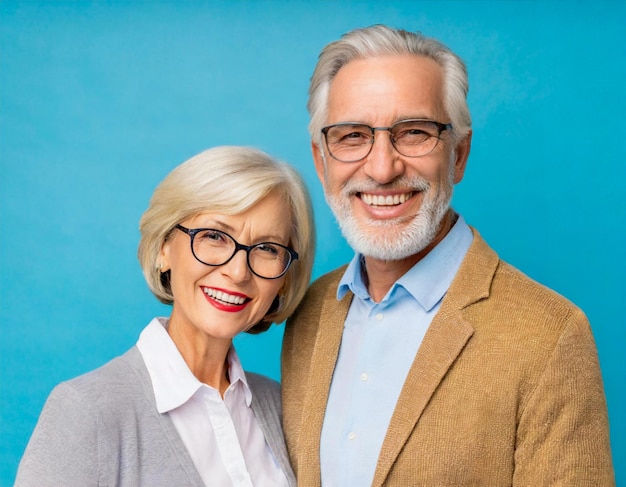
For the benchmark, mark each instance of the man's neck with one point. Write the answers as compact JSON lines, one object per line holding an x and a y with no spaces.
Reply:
{"x":380,"y":275}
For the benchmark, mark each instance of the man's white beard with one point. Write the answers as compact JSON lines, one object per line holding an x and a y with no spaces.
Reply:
{"x":393,"y":239}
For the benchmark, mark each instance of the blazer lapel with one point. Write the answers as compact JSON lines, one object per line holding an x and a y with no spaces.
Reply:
{"x":326,"y":350}
{"x":443,"y":343}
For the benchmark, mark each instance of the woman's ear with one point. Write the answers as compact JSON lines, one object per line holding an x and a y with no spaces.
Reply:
{"x":164,"y":262}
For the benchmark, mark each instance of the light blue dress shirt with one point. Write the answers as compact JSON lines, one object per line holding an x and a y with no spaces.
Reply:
{"x":378,"y":345}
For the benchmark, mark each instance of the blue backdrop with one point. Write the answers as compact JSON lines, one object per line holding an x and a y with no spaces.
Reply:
{"x":100,"y":100}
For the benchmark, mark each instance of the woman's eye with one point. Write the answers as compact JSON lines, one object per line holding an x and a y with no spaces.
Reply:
{"x":267,"y":248}
{"x":212,"y":236}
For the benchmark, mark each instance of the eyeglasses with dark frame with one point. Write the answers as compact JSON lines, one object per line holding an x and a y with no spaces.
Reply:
{"x":353,"y":141}
{"x":268,"y":260}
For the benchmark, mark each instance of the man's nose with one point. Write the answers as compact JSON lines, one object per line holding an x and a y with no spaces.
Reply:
{"x":384,"y":163}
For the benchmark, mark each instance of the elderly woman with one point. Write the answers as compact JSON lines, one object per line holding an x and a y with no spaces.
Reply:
{"x":228,"y":242}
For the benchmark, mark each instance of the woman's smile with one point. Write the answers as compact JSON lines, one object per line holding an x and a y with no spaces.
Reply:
{"x":225,"y":300}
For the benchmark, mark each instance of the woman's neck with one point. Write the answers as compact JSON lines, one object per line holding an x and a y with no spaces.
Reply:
{"x":206,"y":357}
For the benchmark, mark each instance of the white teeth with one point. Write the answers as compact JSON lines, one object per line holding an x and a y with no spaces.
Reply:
{"x":222,"y":296}
{"x":379,"y":200}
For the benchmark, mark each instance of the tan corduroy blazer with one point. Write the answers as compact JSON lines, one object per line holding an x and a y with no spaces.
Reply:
{"x":504,"y":390}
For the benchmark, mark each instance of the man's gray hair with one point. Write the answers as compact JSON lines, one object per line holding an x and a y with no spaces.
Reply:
{"x":377,"y":41}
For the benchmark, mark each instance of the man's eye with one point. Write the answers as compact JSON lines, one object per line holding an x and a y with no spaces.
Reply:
{"x":413,"y":134}
{"x":354,"y":137}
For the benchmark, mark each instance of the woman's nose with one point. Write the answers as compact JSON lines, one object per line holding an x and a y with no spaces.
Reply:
{"x":237,"y":267}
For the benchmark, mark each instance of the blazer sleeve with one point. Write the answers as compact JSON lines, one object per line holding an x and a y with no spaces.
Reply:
{"x":563,"y":437}
{"x":63,"y":447}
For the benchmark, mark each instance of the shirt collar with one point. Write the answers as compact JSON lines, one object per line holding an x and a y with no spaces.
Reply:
{"x":428,"y":280}
{"x":237,"y":375}
{"x":172,"y":381}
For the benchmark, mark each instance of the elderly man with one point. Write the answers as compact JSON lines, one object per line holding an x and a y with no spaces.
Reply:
{"x":426,"y":360}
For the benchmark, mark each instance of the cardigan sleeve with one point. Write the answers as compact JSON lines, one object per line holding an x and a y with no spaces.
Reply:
{"x":63,"y":447}
{"x":267,"y":407}
{"x":563,"y":436}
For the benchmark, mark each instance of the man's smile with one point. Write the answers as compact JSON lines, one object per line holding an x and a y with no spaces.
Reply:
{"x":385,"y":200}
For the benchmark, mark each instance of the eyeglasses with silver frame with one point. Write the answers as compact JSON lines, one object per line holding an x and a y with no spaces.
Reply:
{"x":352,"y":141}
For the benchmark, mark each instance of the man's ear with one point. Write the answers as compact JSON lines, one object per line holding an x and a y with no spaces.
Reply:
{"x":318,"y":159}
{"x":462,"y":152}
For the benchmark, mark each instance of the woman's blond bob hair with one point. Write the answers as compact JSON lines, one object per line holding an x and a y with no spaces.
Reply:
{"x":229,"y":180}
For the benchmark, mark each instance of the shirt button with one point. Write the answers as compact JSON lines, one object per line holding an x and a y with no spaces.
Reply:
{"x":352,"y":436}
{"x":379,"y":317}
{"x":363,"y":376}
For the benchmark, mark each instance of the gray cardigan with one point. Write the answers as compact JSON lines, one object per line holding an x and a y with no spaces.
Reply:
{"x":103,"y":429}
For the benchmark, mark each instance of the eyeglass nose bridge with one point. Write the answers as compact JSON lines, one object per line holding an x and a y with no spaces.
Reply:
{"x":238,"y":247}
{"x":382,"y":129}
